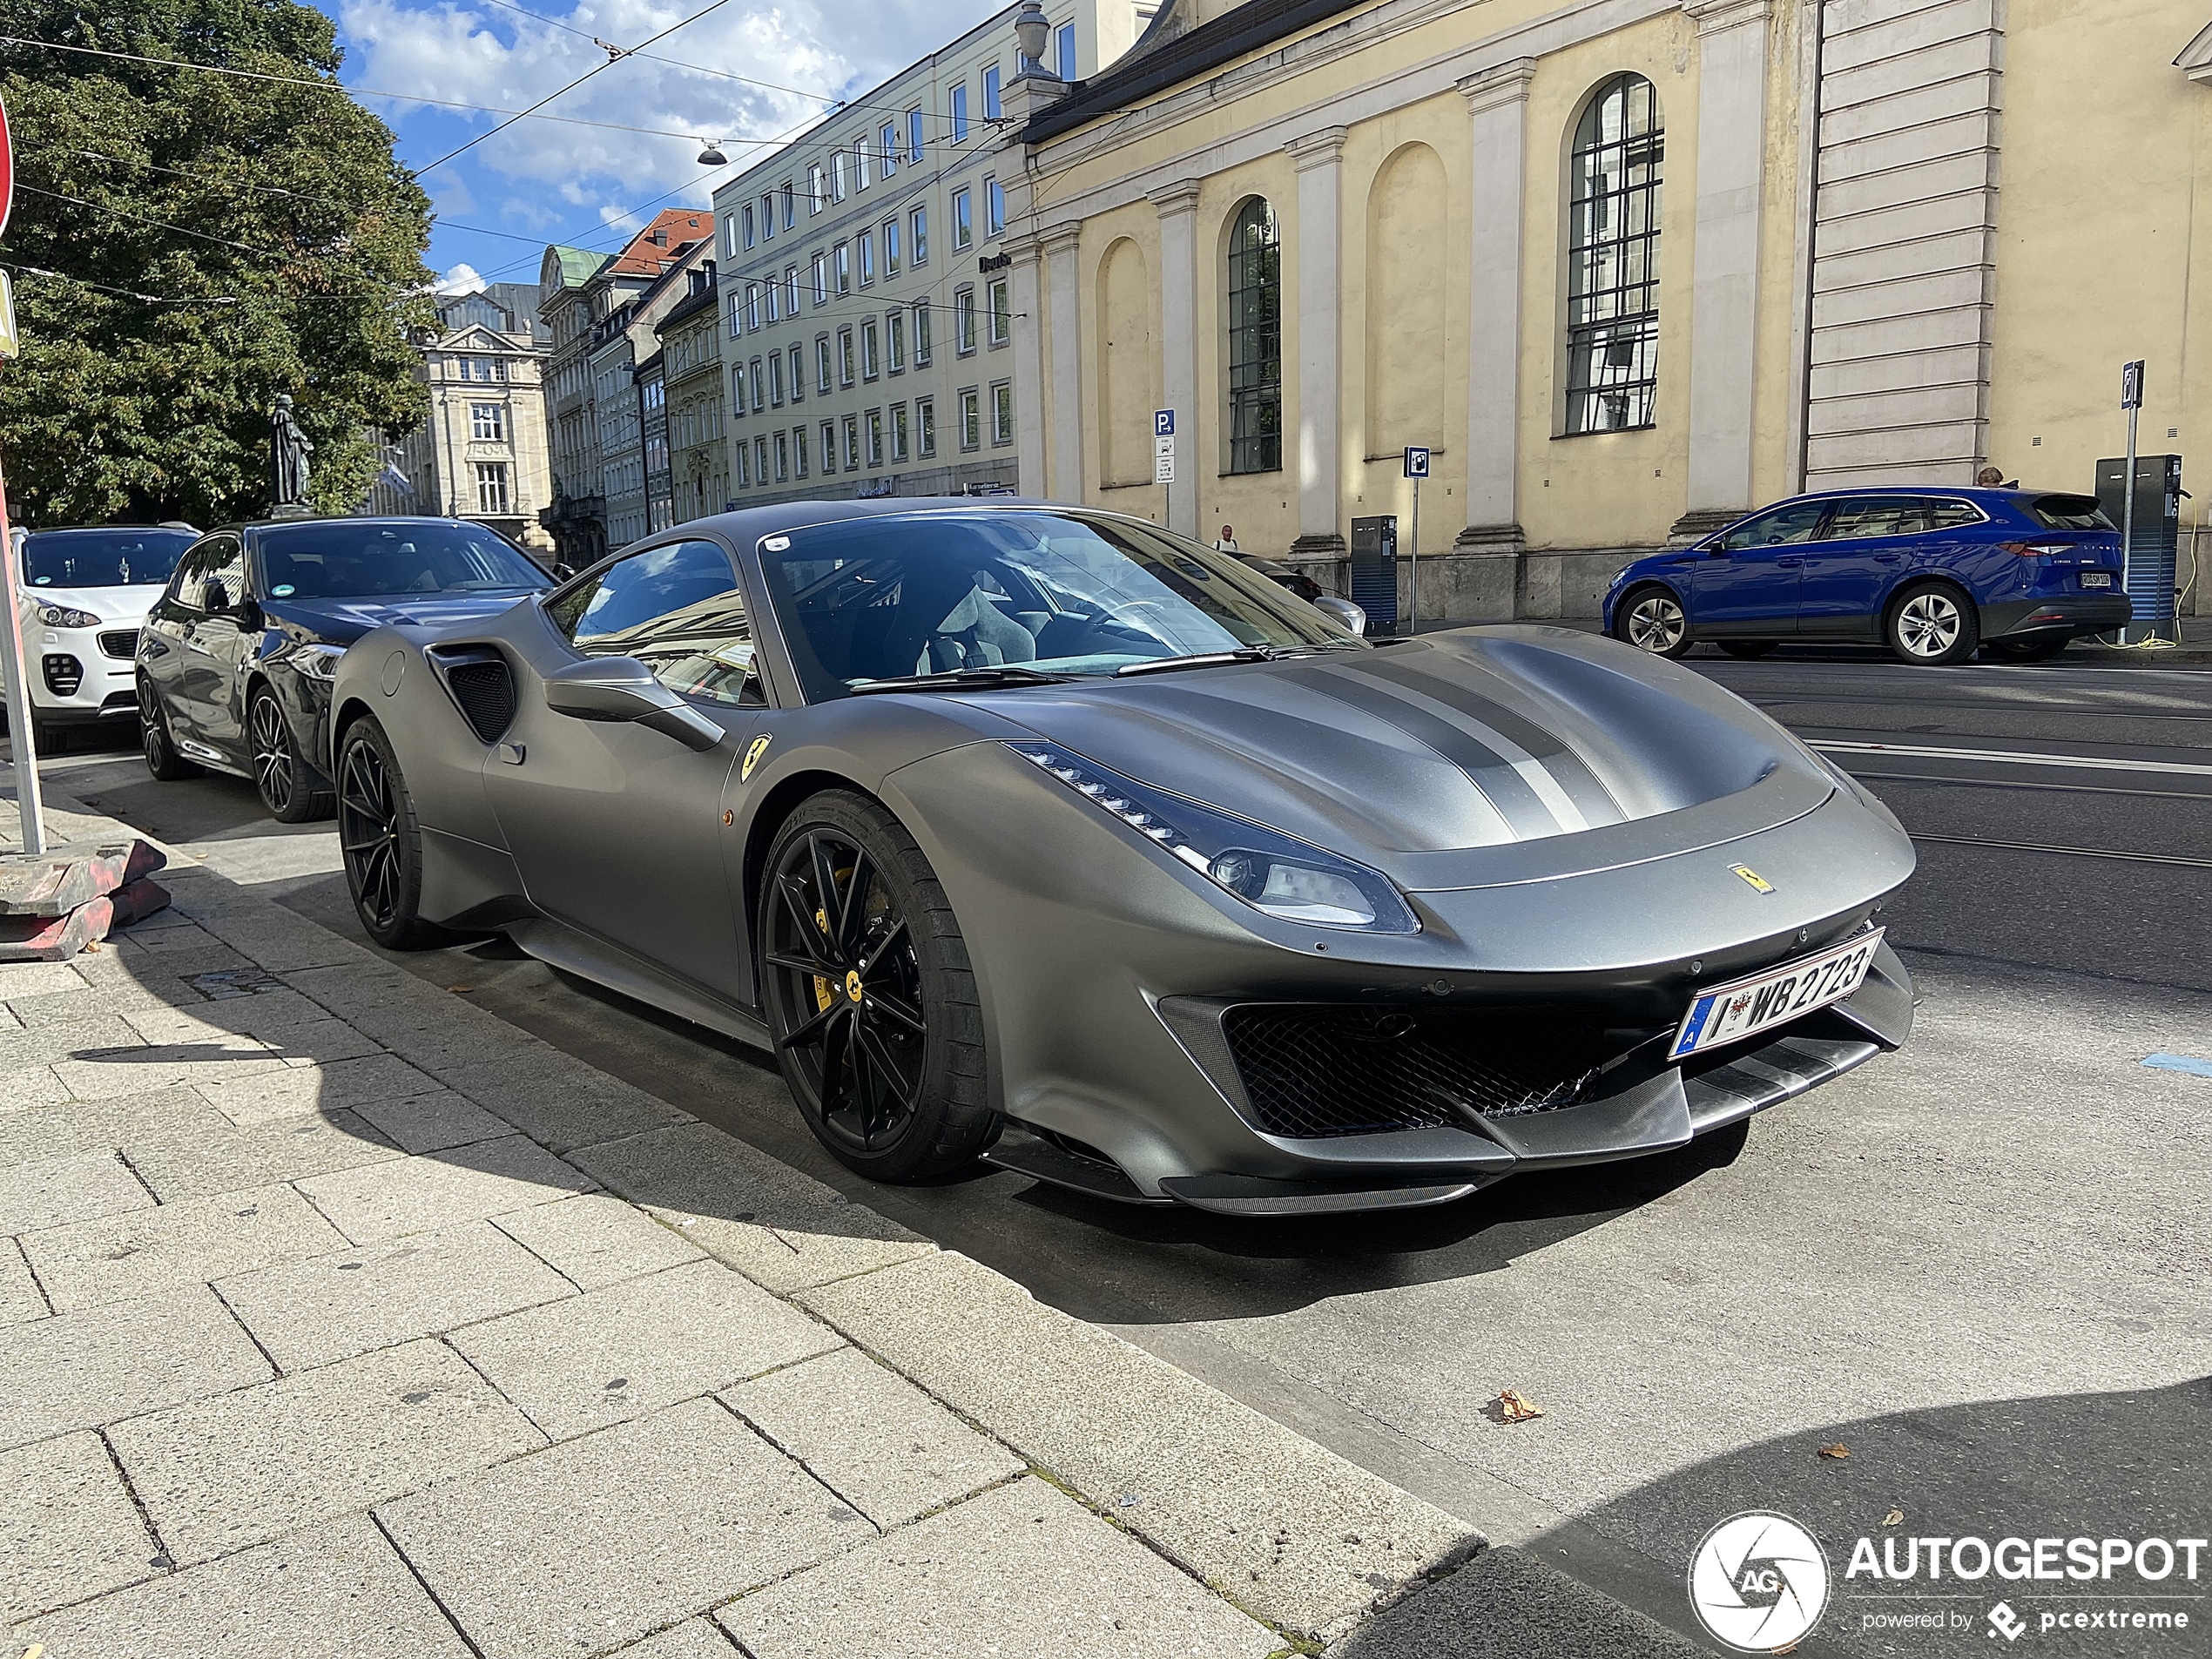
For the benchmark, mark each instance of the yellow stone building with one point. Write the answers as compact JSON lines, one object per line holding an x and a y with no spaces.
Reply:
{"x":1627,"y":268}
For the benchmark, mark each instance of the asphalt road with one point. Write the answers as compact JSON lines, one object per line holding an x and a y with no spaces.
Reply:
{"x":1981,"y":1265}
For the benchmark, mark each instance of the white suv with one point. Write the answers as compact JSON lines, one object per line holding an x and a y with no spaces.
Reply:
{"x":85,"y":593}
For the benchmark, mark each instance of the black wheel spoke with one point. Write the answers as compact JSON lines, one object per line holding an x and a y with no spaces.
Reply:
{"x":904,"y":1083}
{"x":810,"y":937}
{"x":872,"y":960}
{"x":815,"y":1030}
{"x":852,"y":915}
{"x":896,"y":1009}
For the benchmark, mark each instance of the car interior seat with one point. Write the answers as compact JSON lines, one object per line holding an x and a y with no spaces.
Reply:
{"x":975,"y":633}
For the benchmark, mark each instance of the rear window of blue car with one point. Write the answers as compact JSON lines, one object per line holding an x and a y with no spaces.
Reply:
{"x":2069,"y":513}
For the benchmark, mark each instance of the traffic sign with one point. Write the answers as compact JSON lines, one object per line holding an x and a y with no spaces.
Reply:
{"x":1162,"y":423}
{"x":2131,"y":385}
{"x":1164,"y":461}
{"x":7,"y":169}
{"x":1416,"y":461}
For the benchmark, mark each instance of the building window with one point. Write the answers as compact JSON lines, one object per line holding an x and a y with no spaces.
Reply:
{"x":895,"y":324}
{"x":861,"y":162}
{"x":993,"y":207}
{"x":971,"y":418}
{"x":992,"y":110}
{"x":845,"y":357}
{"x":730,"y":235}
{"x":821,"y":281}
{"x":797,"y":374}
{"x":921,"y":335}
{"x":488,"y":422}
{"x":889,"y":155}
{"x":898,"y":432}
{"x":798,"y":448}
{"x":852,"y":443}
{"x":783,"y":457}
{"x":841,"y":262}
{"x":914,"y":136}
{"x":876,"y":437}
{"x":791,"y":291}
{"x":1064,"y":38}
{"x":1002,"y":319}
{"x":1613,"y":258}
{"x":752,"y":305}
{"x":870,"y":356}
{"x":761,"y":458}
{"x":491,"y":487}
{"x":767,"y":217}
{"x":814,"y":190}
{"x":1002,"y":412}
{"x":829,"y":449}
{"x":890,"y":247}
{"x":837,"y":176}
{"x":744,"y":466}
{"x":776,"y":380}
{"x":918,"y":222}
{"x":867,"y":258}
{"x":791,"y":206}
{"x":759,"y":387}
{"x":822,"y":364}
{"x":926,"y":425}
{"x":963,"y":320}
{"x":768,"y":301}
{"x":745,"y":216}
{"x":963,"y":222}
{"x":959,"y":113}
{"x":1255,"y":342}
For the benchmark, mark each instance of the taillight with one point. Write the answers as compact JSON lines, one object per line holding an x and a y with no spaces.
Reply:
{"x":2036,"y":549}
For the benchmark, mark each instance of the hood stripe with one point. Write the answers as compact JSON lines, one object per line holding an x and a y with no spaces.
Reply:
{"x":1573,"y":774}
{"x":1500,"y":782}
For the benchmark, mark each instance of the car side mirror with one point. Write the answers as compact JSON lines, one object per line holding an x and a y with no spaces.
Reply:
{"x":621,"y":689}
{"x":1352,"y":616}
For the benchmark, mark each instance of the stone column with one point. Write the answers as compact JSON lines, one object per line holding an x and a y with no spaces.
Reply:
{"x":1319,"y":159}
{"x":1723,"y":312}
{"x":1063,"y":399}
{"x":1025,"y":294}
{"x":1489,"y":548}
{"x":1178,"y":207}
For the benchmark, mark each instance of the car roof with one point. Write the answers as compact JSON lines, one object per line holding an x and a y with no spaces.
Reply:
{"x":750,"y":523}
{"x":96,"y":529}
{"x":1970,"y":492}
{"x":355,"y":518}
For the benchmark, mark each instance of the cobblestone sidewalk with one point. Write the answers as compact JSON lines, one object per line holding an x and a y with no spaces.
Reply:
{"x":339,"y":1318}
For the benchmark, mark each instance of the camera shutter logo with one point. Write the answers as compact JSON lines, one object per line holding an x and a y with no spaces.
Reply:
{"x":1758,"y":1582}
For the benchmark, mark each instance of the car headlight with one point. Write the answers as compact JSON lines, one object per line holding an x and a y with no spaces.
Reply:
{"x":62,"y":617}
{"x":1277,"y":874}
{"x":317,"y":662}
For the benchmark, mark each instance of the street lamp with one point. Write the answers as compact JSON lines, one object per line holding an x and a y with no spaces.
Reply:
{"x":710,"y":155}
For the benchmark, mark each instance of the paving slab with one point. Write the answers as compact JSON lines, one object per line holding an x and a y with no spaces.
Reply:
{"x":333,"y":1592}
{"x":192,"y":1161}
{"x":332,"y":1307}
{"x":82,"y":1001}
{"x":217,"y":1476}
{"x":134,"y":1071}
{"x":1504,"y":1602}
{"x":264,"y":1015}
{"x":770,"y":1222}
{"x":437,"y":1190}
{"x":466,"y":1039}
{"x":63,"y":1127}
{"x":19,"y":1298}
{"x":23,"y":1086}
{"x":1022,"y":1569}
{"x":871,"y":1436}
{"x":639,"y":1345}
{"x":562,"y":1104}
{"x":693,"y":1639}
{"x":38,"y":979}
{"x":433,"y":1122}
{"x":321,"y":1042}
{"x":273,"y":938}
{"x":50,"y":1191}
{"x":288,"y":1090}
{"x":600,"y":1540}
{"x":595,"y":1240}
{"x":23,"y":1046}
{"x":68,"y":1529}
{"x":82,"y":1370}
{"x":117,"y":1257}
{"x":1298,"y":1535}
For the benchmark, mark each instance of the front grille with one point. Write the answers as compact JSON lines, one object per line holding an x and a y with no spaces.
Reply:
{"x":122,"y":644}
{"x":485,"y":691}
{"x":63,"y":674}
{"x":1315,"y":1071}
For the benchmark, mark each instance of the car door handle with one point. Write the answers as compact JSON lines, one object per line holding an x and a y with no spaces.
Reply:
{"x":1887,"y":558}
{"x":1789,"y":564}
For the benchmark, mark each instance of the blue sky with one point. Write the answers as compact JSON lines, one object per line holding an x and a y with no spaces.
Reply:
{"x":539,"y":181}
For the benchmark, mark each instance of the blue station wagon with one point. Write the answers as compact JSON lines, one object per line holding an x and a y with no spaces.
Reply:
{"x":1931,"y":573}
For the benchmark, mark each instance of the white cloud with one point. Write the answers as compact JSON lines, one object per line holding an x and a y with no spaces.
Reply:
{"x":463,"y":278}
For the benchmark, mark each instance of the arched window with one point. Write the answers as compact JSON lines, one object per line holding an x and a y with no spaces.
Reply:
{"x":1613,"y":258}
{"x":1255,"y":341}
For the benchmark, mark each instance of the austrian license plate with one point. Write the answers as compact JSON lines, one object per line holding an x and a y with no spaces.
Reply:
{"x":1730,"y":1013}
{"x":2096,"y":578}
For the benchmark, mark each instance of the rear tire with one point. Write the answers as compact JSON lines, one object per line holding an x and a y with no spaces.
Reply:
{"x":1652,"y":620}
{"x":288,"y":785}
{"x":1932,"y":626}
{"x":161,"y":757}
{"x":870,"y":997}
{"x":380,"y":840}
{"x":1747,"y":649}
{"x":2023,"y":651}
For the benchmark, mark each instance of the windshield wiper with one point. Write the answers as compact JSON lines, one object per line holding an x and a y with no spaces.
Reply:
{"x":963,"y":679}
{"x":1214,"y":658}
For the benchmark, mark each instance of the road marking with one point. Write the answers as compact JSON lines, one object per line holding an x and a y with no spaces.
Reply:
{"x":2075,"y":852}
{"x":2187,"y":1063}
{"x":2091,"y":763}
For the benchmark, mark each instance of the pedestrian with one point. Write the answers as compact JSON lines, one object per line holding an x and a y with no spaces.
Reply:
{"x":1993,"y":478}
{"x":1228,"y":542}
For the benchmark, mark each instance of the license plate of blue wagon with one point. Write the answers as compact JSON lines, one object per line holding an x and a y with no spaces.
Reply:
{"x":1730,"y":1013}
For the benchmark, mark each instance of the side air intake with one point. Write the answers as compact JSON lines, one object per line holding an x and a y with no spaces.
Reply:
{"x":482,"y":687}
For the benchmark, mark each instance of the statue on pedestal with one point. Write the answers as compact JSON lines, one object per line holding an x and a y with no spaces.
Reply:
{"x":289,"y":448}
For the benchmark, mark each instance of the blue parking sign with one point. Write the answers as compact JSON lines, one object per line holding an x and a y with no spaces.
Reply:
{"x":1416,"y":462}
{"x":1162,"y":423}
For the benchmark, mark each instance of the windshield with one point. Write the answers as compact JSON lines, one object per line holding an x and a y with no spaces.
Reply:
{"x":102,"y":558}
{"x":905,"y":594}
{"x":365,"y":559}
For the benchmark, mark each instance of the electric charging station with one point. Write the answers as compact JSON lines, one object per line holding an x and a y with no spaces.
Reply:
{"x":1374,"y":571}
{"x":2154,"y":536}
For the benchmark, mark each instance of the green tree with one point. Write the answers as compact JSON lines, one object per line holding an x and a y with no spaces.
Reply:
{"x":277,"y":213}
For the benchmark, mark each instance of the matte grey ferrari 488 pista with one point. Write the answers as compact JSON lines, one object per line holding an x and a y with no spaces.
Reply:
{"x":1034,"y":834}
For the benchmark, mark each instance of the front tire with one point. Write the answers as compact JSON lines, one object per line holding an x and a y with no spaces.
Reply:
{"x":380,"y":840}
{"x":870,"y":998}
{"x":287,"y":784}
{"x":1652,"y":619}
{"x":162,"y":759}
{"x":1933,"y":627}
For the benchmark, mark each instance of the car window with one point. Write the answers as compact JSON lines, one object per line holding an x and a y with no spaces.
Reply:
{"x":2070,"y":513}
{"x":102,"y":558}
{"x":1864,"y":516}
{"x":676,"y":608}
{"x":219,"y":558}
{"x":1799,"y":522}
{"x":1948,"y":514}
{"x":363,"y":559}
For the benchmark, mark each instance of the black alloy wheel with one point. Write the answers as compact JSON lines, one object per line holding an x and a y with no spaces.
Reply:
{"x":381,"y":842}
{"x":870,"y":999}
{"x":162,"y":759}
{"x":288,"y":787}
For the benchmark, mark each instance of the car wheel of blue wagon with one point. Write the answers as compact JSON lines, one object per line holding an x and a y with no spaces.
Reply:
{"x":1932,"y":626}
{"x":1652,"y":619}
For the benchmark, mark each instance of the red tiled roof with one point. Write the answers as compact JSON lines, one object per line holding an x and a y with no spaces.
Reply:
{"x":676,"y":229}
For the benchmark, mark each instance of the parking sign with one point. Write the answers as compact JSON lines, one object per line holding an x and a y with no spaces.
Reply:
{"x":1162,"y":423}
{"x":1416,"y":462}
